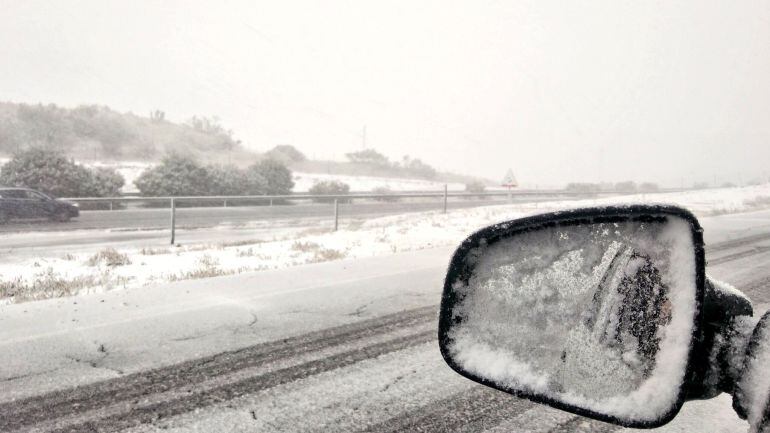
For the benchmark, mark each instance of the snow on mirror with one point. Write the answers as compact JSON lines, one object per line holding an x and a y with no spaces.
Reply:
{"x":593,"y":316}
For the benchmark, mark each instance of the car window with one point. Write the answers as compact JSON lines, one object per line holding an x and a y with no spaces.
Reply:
{"x":33,"y":195}
{"x":14,"y":193}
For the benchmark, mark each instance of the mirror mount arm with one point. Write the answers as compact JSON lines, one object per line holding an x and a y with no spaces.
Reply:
{"x":727,"y":327}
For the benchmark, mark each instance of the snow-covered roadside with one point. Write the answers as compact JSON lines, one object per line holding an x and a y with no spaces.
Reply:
{"x":304,"y":181}
{"x":135,"y":267}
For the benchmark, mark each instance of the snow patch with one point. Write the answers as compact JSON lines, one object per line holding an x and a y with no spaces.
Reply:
{"x":304,"y":181}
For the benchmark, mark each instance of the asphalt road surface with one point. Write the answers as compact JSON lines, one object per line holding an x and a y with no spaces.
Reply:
{"x":340,"y":346}
{"x":151,"y":227}
{"x":202,"y":217}
{"x":135,"y":218}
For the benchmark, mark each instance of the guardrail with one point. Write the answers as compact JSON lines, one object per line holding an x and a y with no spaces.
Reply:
{"x":348,"y":196}
{"x":270,"y":200}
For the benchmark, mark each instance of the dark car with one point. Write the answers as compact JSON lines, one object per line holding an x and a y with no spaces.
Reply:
{"x":28,"y":203}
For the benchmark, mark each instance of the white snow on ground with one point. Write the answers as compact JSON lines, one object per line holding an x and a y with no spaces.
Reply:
{"x":304,"y":181}
{"x":82,"y":272}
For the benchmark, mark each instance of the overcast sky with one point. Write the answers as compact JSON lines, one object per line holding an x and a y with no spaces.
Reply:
{"x":668,"y":91}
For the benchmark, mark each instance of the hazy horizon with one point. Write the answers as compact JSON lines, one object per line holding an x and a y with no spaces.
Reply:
{"x":668,"y":93}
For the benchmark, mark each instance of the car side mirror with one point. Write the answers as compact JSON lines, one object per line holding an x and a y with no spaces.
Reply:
{"x":593,"y":311}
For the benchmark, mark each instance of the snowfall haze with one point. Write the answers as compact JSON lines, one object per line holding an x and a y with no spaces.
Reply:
{"x":668,"y":92}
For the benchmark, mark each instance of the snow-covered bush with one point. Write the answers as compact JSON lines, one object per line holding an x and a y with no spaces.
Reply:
{"x":626,"y":186}
{"x":230,"y":180}
{"x":329,"y":187}
{"x":579,"y":187}
{"x":278,"y":179}
{"x":384,"y":191}
{"x":649,"y":187}
{"x":368,"y":156}
{"x":109,"y":257}
{"x":176,"y":175}
{"x":182,"y":176}
{"x":475,"y":186}
{"x":51,"y":172}
{"x":286,"y":153}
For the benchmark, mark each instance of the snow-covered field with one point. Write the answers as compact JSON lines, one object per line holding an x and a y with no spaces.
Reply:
{"x":111,"y":269}
{"x":304,"y":181}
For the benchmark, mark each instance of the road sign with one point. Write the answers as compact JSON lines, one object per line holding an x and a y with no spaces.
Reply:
{"x":509,"y":181}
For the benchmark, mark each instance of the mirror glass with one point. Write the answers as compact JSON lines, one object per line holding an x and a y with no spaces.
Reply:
{"x":595,"y":315}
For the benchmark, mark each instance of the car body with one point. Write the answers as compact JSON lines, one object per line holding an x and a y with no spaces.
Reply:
{"x":25,"y":203}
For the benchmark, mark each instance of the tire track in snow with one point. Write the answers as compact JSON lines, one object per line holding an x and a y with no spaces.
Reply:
{"x":739,"y":255}
{"x":738,"y":242}
{"x":579,"y":424}
{"x":130,"y":389}
{"x":146,"y":414}
{"x":758,"y":289}
{"x":476,"y":409}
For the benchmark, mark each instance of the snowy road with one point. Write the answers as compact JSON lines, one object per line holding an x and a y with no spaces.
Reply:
{"x":339,"y":346}
{"x":202,"y":217}
{"x":213,"y":224}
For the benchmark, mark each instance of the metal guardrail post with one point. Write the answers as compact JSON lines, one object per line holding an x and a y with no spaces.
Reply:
{"x":173,"y":220}
{"x":110,"y":204}
{"x":446,"y":193}
{"x":224,"y":203}
{"x":336,"y":214}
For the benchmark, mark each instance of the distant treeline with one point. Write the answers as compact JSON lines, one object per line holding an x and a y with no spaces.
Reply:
{"x":626,"y":186}
{"x":369,"y":162}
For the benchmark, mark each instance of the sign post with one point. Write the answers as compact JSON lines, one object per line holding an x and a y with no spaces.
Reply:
{"x":509,"y":181}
